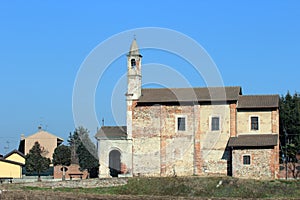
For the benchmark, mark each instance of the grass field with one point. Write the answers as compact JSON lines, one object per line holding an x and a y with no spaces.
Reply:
{"x":206,"y":187}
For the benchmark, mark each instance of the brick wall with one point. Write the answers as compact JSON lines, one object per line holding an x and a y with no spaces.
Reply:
{"x":161,"y":150}
{"x":197,"y":144}
{"x":213,"y":143}
{"x":293,"y":171}
{"x":146,"y":141}
{"x":73,"y":168}
{"x":275,"y":153}
{"x":179,"y":158}
{"x":233,"y":120}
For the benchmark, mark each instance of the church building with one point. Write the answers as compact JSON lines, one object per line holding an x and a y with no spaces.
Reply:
{"x":190,"y":131}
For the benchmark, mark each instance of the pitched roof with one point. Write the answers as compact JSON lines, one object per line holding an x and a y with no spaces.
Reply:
{"x":45,"y":134}
{"x":11,"y":162}
{"x":14,"y":151}
{"x":207,"y":94}
{"x":254,"y":140}
{"x":112,"y":132}
{"x":134,"y":49}
{"x":258,"y":101}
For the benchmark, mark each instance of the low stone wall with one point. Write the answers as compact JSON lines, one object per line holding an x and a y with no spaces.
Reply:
{"x":31,"y":180}
{"x":86,"y":183}
{"x":17,"y":193}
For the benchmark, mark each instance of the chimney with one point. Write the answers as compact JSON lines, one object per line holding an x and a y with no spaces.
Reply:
{"x":40,"y":128}
{"x":22,"y":137}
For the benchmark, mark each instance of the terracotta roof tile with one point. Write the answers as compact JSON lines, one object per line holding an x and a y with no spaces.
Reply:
{"x":112,"y":132}
{"x":159,"y":95}
{"x":253,"y":140}
{"x":258,"y":101}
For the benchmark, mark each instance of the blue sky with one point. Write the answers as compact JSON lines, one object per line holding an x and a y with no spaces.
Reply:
{"x":255,"y":44}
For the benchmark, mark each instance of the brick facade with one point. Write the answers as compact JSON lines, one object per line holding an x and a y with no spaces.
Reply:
{"x":265,"y":161}
{"x":233,"y":120}
{"x":197,"y":144}
{"x":72,"y":169}
{"x":159,"y":149}
{"x":156,"y":144}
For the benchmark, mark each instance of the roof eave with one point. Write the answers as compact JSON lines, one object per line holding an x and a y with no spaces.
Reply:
{"x":189,"y":101}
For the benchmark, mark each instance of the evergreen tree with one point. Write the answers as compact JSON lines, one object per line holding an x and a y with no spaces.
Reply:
{"x":290,"y":126}
{"x":62,"y":156}
{"x":35,"y":162}
{"x":87,"y":161}
{"x":85,"y":151}
{"x":74,"y":143}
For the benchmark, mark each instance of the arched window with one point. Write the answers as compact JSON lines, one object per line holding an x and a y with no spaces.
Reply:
{"x":115,"y":163}
{"x":133,"y":63}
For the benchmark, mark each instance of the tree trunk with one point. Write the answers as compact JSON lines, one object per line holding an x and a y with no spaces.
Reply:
{"x":39,"y":178}
{"x":64,"y":173}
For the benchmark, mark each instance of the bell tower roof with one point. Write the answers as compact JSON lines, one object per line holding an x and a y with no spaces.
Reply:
{"x":134,"y":49}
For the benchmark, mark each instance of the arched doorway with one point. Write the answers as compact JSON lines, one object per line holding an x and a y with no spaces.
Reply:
{"x":114,"y":163}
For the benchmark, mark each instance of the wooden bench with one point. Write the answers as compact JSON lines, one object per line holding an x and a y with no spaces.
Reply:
{"x":6,"y":178}
{"x":73,"y":175}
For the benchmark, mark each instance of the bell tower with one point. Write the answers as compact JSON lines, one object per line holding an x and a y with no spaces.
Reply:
{"x":134,"y":82}
{"x":134,"y":72}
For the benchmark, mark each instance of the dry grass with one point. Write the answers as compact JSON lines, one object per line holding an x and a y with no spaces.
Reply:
{"x":186,"y":187}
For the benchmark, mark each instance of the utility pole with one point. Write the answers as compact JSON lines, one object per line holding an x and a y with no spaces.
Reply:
{"x":286,"y":157}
